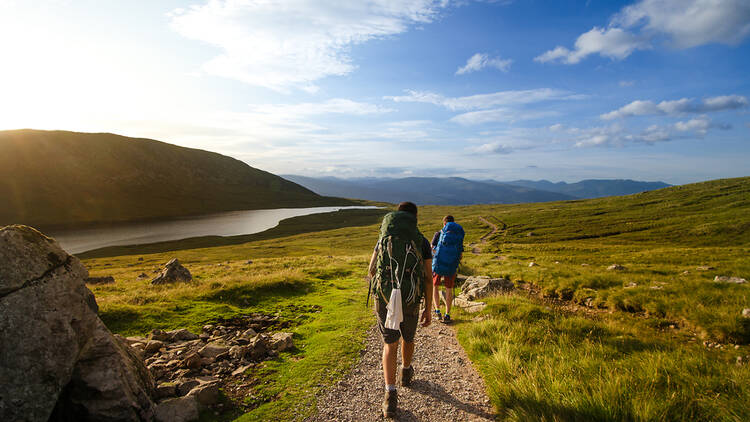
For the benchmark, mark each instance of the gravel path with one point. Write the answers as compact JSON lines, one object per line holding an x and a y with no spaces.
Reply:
{"x":446,"y":387}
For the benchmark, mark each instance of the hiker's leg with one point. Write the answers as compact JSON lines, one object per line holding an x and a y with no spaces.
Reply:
{"x":407,"y":353}
{"x":436,"y":297}
{"x":390,"y":353}
{"x":448,"y":300}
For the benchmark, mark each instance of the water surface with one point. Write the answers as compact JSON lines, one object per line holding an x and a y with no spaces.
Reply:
{"x":230,"y":223}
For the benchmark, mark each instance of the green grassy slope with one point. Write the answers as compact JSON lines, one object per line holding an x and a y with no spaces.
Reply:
{"x":52,"y":178}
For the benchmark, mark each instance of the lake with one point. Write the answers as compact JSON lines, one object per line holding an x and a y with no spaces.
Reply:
{"x":230,"y":223}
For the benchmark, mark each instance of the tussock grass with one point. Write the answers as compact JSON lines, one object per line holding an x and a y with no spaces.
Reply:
{"x":542,"y":364}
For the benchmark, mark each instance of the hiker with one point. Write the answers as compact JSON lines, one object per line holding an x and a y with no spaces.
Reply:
{"x":400,"y":273}
{"x":447,"y":247}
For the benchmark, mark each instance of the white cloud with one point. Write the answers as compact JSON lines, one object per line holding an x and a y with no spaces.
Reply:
{"x":685,"y":23}
{"x":294,"y":43}
{"x":556,"y":127}
{"x":332,"y":106}
{"x":492,"y":148}
{"x":479,"y":61}
{"x":690,"y":23}
{"x":484,"y":101}
{"x":499,"y":115}
{"x":678,"y":107}
{"x":700,"y":125}
{"x":614,"y":43}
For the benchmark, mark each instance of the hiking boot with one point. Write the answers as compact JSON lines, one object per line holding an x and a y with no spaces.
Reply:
{"x":438,"y":316}
{"x":407,"y":374}
{"x":390,"y":403}
{"x":447,"y":319}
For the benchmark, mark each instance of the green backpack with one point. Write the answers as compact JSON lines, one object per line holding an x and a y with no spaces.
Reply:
{"x":399,"y":259}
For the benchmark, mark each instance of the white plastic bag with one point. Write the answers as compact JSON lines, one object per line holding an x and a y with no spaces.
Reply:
{"x":395,"y":312}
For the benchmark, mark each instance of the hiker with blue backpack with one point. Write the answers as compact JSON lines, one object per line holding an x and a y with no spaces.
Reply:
{"x":400,"y":273}
{"x":447,"y":248}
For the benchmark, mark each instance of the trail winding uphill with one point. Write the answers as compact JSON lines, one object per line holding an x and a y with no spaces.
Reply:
{"x":475,"y":247}
{"x":446,"y":387}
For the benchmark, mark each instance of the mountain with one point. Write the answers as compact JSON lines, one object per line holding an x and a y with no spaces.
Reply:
{"x":591,"y":188}
{"x":427,"y":190}
{"x":53,"y":178}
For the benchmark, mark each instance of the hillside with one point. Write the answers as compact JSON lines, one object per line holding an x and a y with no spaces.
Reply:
{"x":591,"y":188}
{"x":427,"y":190}
{"x":50,"y":178}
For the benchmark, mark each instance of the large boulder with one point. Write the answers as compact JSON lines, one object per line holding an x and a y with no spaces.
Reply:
{"x":173,"y":272}
{"x":57,"y":359}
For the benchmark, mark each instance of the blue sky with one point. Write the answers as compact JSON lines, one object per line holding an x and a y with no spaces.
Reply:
{"x":648,"y":90}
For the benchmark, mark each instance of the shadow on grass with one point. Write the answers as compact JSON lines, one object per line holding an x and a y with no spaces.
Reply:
{"x":253,"y":294}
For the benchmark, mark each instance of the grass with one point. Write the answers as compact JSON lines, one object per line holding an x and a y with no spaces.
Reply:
{"x":541,"y":363}
{"x":617,"y":361}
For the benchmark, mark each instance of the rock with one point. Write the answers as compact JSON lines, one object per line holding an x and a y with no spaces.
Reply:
{"x":57,"y":359}
{"x":100,"y":280}
{"x":214,"y":349}
{"x":615,"y":267}
{"x":165,"y":390}
{"x":479,"y":287}
{"x":241,"y":370}
{"x":192,"y":361}
{"x":746,"y":312}
{"x":180,"y":409}
{"x":469,"y":306}
{"x":631,"y":285}
{"x":185,"y":385}
{"x":257,"y":348}
{"x":727,"y":279}
{"x":248,"y":262}
{"x":142,"y":276}
{"x":135,"y":339}
{"x":181,"y":335}
{"x":173,"y":272}
{"x":154,"y":346}
{"x":206,"y":393}
{"x":705,"y":268}
{"x":237,"y":352}
{"x":533,"y":264}
{"x":281,"y":342}
{"x":249,"y":333}
{"x":158,"y":335}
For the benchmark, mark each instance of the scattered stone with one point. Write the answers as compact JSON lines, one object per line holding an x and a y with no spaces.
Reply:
{"x":142,"y":276}
{"x":100,"y":280}
{"x":192,"y":361}
{"x":657,"y":287}
{"x":241,"y":370}
{"x":249,"y":333}
{"x":165,"y":390}
{"x":173,"y":272}
{"x":705,"y":268}
{"x":185,"y":385}
{"x":615,"y":267}
{"x":213,"y":349}
{"x":746,"y":312}
{"x":727,"y":279}
{"x":529,"y":234}
{"x":631,"y":285}
{"x":468,"y":305}
{"x":584,"y":265}
{"x":140,"y":258}
{"x":180,"y":409}
{"x":739,"y":360}
{"x":206,"y":393}
{"x":248,"y":262}
{"x":281,"y":342}
{"x":686,"y":272}
{"x":181,"y":335}
{"x":533,"y":264}
{"x":158,"y":334}
{"x":154,"y":346}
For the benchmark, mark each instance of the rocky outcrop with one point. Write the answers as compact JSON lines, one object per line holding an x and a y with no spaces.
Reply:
{"x":100,"y":280}
{"x":616,"y":267}
{"x":731,"y":280}
{"x":57,"y":359}
{"x":173,"y":272}
{"x":478,"y":287}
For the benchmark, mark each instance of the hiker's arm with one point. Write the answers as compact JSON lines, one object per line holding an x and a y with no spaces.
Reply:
{"x":427,"y":314}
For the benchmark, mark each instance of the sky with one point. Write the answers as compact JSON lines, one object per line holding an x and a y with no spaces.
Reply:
{"x":525,"y":89}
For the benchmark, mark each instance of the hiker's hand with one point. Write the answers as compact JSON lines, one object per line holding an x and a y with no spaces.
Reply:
{"x":426,"y":318}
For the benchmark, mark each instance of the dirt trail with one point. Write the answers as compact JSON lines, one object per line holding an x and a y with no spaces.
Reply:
{"x":446,"y":387}
{"x":475,"y":249}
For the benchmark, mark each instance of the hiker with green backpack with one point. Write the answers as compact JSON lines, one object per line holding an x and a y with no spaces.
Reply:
{"x":400,"y":277}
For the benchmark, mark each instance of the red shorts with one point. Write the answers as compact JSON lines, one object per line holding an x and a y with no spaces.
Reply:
{"x":449,"y":280}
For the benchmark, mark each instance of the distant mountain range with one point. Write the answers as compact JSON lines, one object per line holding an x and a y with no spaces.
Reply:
{"x":54,"y":178}
{"x":459,"y":191}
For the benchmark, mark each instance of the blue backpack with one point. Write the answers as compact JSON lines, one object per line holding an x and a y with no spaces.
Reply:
{"x":449,"y":248}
